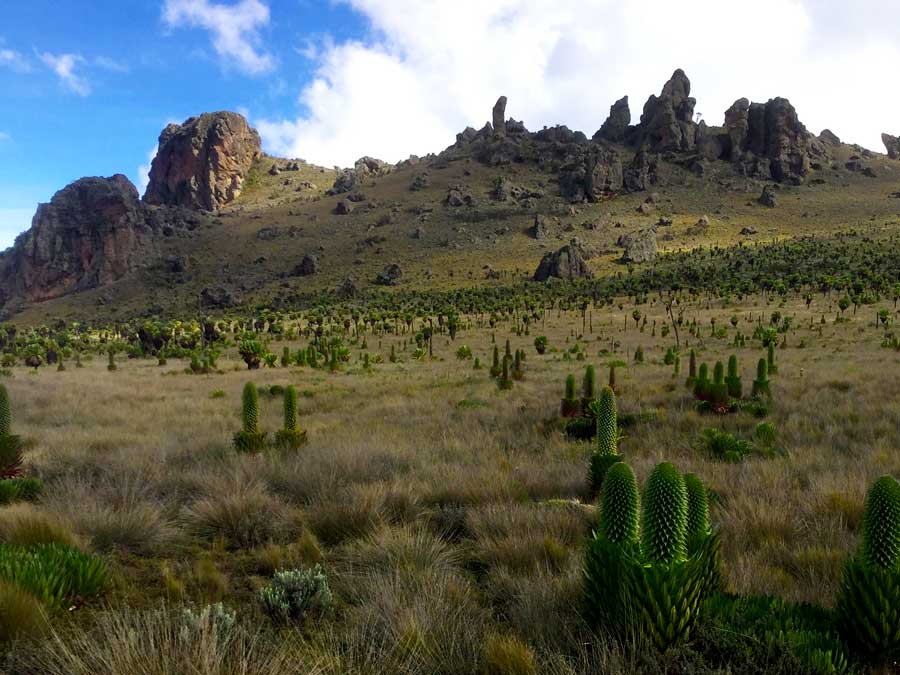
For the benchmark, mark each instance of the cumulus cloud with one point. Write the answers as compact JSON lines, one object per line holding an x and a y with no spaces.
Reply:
{"x":65,"y":65}
{"x":429,"y":68}
{"x":234,"y":29}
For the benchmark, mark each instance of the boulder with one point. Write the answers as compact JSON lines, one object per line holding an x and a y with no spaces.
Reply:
{"x":540,"y":229}
{"x":828,"y":137}
{"x":364,"y":169}
{"x":640,"y":246}
{"x":217,"y":297}
{"x":567,"y":263}
{"x":614,"y":128}
{"x":420,"y":182}
{"x":768,"y":197}
{"x":307,"y":267}
{"x":202,"y":163}
{"x":499,"y":117}
{"x":343,"y":208}
{"x":892,"y":145}
{"x":389,"y":276}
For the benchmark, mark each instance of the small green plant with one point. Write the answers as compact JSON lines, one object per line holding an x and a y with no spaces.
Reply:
{"x":770,"y":359}
{"x":111,"y":365}
{"x":495,"y":363}
{"x":540,"y":344}
{"x":290,"y":437}
{"x":724,"y":446}
{"x":252,"y":351}
{"x":250,"y":438}
{"x":20,"y":489}
{"x":692,"y":370}
{"x":56,"y":574}
{"x":296,"y":594}
{"x":463,"y":352}
{"x":505,"y":381}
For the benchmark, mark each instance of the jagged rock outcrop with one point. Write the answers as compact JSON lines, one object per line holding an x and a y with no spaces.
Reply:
{"x":202,"y":163}
{"x":498,"y":116}
{"x":616,"y":125}
{"x":667,"y":122}
{"x":595,"y":175}
{"x":91,"y":233}
{"x":640,"y":246}
{"x":892,"y":145}
{"x":828,"y":137}
{"x":567,"y":263}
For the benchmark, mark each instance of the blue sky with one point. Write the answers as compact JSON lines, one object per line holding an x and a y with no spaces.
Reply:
{"x":87,"y":85}
{"x":132,"y":73}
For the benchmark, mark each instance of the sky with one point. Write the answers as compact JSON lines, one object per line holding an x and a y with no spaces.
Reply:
{"x":86,"y":87}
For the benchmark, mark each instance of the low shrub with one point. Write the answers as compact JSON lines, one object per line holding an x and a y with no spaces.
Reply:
{"x":296,"y":594}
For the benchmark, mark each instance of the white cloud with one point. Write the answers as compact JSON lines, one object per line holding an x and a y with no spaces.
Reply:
{"x":143,"y":172}
{"x":65,"y":65}
{"x":14,"y":60}
{"x":109,"y":64}
{"x":234,"y":29}
{"x":431,"y":67}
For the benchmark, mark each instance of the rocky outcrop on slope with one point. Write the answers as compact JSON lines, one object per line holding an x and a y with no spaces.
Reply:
{"x":92,"y":233}
{"x":616,"y":125}
{"x":640,"y":246}
{"x":202,"y":163}
{"x":567,"y":263}
{"x":364,"y":170}
{"x":667,"y":122}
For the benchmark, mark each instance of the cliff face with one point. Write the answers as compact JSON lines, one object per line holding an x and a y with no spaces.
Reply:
{"x":203,"y":163}
{"x":88,"y":235}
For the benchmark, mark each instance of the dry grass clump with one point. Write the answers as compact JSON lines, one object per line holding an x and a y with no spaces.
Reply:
{"x":162,"y":642}
{"x":21,"y":614}
{"x":241,"y":512}
{"x":27,"y":525}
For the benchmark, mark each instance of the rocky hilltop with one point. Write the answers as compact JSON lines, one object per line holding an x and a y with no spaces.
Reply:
{"x":496,"y":205}
{"x":203,"y":163}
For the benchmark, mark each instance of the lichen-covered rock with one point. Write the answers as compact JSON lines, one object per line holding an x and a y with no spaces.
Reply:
{"x":567,"y":263}
{"x":540,"y":229}
{"x":202,"y":163}
{"x":593,"y":176}
{"x":768,"y":197}
{"x":640,"y":246}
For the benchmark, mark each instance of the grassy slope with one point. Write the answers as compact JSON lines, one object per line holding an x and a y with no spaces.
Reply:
{"x":459,"y":243}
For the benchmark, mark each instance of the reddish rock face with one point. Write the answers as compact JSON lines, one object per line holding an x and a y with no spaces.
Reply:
{"x":202,"y":164}
{"x":89,"y":235}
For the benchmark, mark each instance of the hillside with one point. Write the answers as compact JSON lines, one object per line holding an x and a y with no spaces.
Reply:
{"x":441,"y":220}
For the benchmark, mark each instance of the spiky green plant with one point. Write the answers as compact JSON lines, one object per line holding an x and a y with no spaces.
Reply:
{"x":770,"y":359}
{"x":620,"y":509}
{"x":518,"y":371}
{"x":290,"y":437}
{"x":5,"y":412}
{"x":612,"y":378}
{"x":607,"y":437}
{"x":717,"y":392}
{"x":664,"y":525}
{"x":112,"y":360}
{"x":588,"y":388}
{"x":697,"y":511}
{"x":250,"y":438}
{"x":570,"y":406}
{"x":702,"y":383}
{"x":654,"y":589}
{"x":761,"y":383}
{"x":692,"y":370}
{"x":733,"y":379}
{"x":56,"y":574}
{"x":505,"y":381}
{"x":868,"y":604}
{"x":285,"y":357}
{"x":495,"y":363}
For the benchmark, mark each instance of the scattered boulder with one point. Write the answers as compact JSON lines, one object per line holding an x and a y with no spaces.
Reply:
{"x":459,"y":195}
{"x":747,"y":231}
{"x":346,"y":288}
{"x":202,"y":163}
{"x":217,"y":297}
{"x":892,"y":145}
{"x":540,"y":229}
{"x":646,"y":208}
{"x":567,"y":263}
{"x":343,"y":208}
{"x":389,"y":276}
{"x":364,"y":169}
{"x":768,"y":197}
{"x":307,"y":267}
{"x":614,"y":128}
{"x":640,"y":246}
{"x":420,"y":182}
